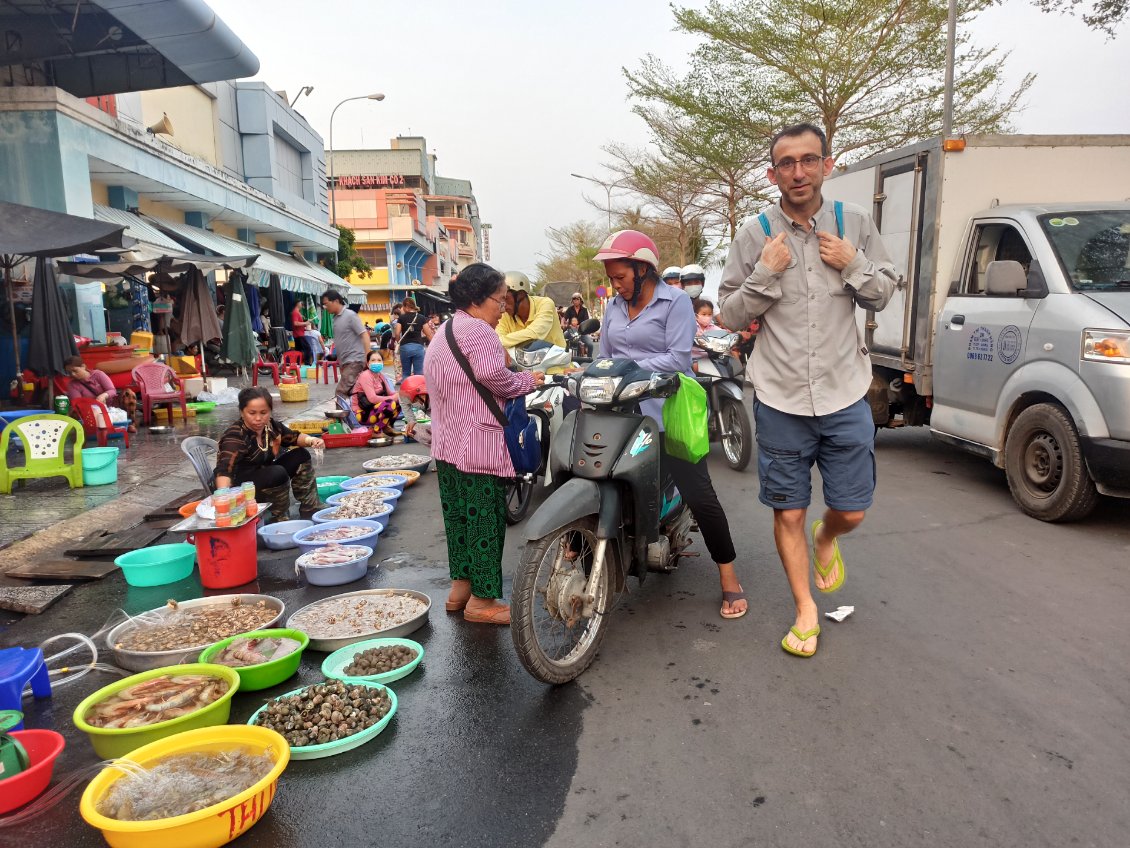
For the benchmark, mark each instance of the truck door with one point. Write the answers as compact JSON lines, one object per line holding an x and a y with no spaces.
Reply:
{"x":980,"y":338}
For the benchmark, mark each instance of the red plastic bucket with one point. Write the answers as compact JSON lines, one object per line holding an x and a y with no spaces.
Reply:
{"x":228,"y":557}
{"x":42,"y":747}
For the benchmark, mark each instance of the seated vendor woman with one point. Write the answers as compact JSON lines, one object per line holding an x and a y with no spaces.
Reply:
{"x":375,"y":400}
{"x":260,"y":449}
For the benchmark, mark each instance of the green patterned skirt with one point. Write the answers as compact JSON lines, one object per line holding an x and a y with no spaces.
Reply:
{"x":474,"y":517}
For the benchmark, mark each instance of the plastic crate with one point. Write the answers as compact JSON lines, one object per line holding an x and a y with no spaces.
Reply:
{"x":308,"y":426}
{"x":347,"y":440}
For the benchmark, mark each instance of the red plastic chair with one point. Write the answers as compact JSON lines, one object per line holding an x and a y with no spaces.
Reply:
{"x":264,"y":364}
{"x":153,"y":379}
{"x":96,"y":422}
{"x":292,"y":363}
{"x":327,"y":364}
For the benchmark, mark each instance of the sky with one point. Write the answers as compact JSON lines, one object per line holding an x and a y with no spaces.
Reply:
{"x":516,"y":95}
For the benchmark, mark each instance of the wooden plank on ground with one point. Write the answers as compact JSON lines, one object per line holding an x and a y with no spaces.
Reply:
{"x":31,"y":599}
{"x":104,"y":545}
{"x":171,"y":509}
{"x":63,"y":569}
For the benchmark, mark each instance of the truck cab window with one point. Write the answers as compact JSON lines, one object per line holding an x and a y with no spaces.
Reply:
{"x":995,"y":242}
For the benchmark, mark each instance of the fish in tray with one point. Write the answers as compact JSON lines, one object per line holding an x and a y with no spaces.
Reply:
{"x":356,"y":615}
{"x":337,"y":534}
{"x":396,"y":460}
{"x":360,"y":510}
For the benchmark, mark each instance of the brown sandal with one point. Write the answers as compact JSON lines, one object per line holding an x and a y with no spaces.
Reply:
{"x":492,"y":615}
{"x":730,"y":598}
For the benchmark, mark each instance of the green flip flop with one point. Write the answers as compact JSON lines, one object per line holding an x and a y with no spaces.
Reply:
{"x":803,"y":637}
{"x":824,"y":571}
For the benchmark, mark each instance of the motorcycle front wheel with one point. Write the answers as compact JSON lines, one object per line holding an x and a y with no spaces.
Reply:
{"x":556,"y":630}
{"x":736,"y":433}
{"x":519,"y":493}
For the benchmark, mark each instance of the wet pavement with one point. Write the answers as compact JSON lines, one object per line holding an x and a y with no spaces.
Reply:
{"x":151,"y":472}
{"x":976,"y":697}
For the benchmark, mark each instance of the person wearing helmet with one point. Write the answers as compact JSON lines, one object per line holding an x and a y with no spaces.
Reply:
{"x":414,"y":405}
{"x":653,"y":325}
{"x":527,"y":316}
{"x":671,"y":276}
{"x":693,"y":279}
{"x":576,"y":309}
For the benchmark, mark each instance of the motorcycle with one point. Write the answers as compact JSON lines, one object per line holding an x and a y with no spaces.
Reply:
{"x":615,"y":517}
{"x":547,"y":405}
{"x":721,"y":374}
{"x":580,"y":342}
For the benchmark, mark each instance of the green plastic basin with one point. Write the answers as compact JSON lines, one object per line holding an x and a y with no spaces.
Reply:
{"x":158,"y":564}
{"x":270,"y":673}
{"x":109,"y":743}
{"x":330,"y":486}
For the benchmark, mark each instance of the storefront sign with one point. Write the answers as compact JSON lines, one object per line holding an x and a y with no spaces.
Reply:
{"x":370,"y":181}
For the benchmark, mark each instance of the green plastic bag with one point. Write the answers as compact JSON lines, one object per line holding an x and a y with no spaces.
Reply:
{"x":684,"y":420}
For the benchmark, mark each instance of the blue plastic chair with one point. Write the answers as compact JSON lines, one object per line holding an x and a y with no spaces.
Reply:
{"x":17,"y":667}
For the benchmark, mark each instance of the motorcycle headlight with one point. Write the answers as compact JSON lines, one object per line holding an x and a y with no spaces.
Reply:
{"x":718,"y":344}
{"x":634,"y":390}
{"x":529,"y":358}
{"x":1106,"y":346}
{"x":598,"y":390}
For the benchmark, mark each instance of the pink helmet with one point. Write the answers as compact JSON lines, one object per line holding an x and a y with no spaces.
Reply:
{"x":413,"y":387}
{"x":629,"y":244}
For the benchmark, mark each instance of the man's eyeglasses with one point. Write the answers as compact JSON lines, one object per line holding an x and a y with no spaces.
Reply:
{"x":809,"y":163}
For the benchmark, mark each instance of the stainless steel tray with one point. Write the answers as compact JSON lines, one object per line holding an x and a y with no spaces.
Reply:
{"x":145,"y":660}
{"x":332,"y":644}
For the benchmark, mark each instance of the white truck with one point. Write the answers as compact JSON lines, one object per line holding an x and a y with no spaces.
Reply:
{"x":1009,"y":334}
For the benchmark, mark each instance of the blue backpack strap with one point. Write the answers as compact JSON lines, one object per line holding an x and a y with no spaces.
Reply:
{"x":838,"y":208}
{"x":764,"y":219}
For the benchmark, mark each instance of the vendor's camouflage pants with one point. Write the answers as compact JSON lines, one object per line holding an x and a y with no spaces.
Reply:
{"x":292,"y":471}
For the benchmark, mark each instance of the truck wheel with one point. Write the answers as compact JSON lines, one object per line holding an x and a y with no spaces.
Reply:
{"x":1045,"y":467}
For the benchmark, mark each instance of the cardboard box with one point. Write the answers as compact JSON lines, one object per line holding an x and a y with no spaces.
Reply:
{"x":193,"y":386}
{"x":215,"y":384}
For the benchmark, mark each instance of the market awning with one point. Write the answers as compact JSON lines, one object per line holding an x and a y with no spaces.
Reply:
{"x":114,"y":46}
{"x":170,"y":263}
{"x":296,"y":275}
{"x":137,"y":228}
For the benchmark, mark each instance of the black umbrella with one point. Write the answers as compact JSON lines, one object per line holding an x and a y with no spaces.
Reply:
{"x":29,"y":232}
{"x":52,"y":341}
{"x":276,"y":305}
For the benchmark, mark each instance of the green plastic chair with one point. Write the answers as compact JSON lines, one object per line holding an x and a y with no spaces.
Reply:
{"x":44,"y":439}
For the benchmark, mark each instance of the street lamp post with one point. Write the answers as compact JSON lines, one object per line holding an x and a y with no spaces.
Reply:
{"x":607,"y":192}
{"x":333,"y":188}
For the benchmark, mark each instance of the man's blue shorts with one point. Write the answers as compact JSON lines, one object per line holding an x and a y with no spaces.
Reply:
{"x":841,"y":444}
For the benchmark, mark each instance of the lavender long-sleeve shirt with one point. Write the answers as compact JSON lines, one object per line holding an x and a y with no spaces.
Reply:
{"x":660,"y":338}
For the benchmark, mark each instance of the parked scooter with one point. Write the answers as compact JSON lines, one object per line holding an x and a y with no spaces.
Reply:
{"x":613,"y":518}
{"x":721,"y":374}
{"x":580,"y":341}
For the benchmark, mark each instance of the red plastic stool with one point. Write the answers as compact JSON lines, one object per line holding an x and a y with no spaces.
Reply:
{"x":263,"y":363}
{"x":327,"y":364}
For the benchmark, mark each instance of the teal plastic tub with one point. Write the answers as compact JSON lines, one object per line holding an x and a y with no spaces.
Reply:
{"x":157,"y":565}
{"x":330,"y":486}
{"x":99,"y":466}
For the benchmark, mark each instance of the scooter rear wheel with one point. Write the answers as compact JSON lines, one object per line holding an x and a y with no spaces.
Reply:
{"x":554,"y":638}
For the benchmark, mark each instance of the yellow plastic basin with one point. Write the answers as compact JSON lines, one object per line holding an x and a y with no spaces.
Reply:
{"x":208,"y":828}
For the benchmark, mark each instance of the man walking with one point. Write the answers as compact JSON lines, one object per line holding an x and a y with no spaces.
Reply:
{"x":802,"y":267}
{"x":351,"y":341}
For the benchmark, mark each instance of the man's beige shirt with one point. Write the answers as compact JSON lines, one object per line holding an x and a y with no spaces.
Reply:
{"x":810,"y":358}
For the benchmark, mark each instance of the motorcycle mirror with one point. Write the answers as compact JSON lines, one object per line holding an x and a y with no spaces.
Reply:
{"x":588,"y":326}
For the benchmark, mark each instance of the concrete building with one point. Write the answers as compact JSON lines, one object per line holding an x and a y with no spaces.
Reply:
{"x":187,"y":158}
{"x":414,"y":227}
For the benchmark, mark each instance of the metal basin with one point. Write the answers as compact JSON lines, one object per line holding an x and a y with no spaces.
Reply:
{"x":332,"y":644}
{"x":146,"y":660}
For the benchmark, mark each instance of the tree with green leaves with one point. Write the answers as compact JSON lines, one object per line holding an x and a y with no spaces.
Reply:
{"x":1104,"y":15}
{"x":571,"y":251}
{"x":348,"y":259}
{"x":869,"y":71}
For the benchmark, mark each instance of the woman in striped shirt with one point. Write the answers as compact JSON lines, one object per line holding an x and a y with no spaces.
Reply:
{"x":468,"y":443}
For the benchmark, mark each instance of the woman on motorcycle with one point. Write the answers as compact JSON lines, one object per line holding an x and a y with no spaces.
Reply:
{"x":654,"y":325}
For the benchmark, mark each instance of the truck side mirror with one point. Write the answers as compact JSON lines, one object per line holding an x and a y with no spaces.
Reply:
{"x":1037,"y":286}
{"x":1005,"y":278}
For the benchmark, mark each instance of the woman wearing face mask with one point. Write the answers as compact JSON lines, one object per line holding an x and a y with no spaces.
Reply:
{"x":374,"y":399}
